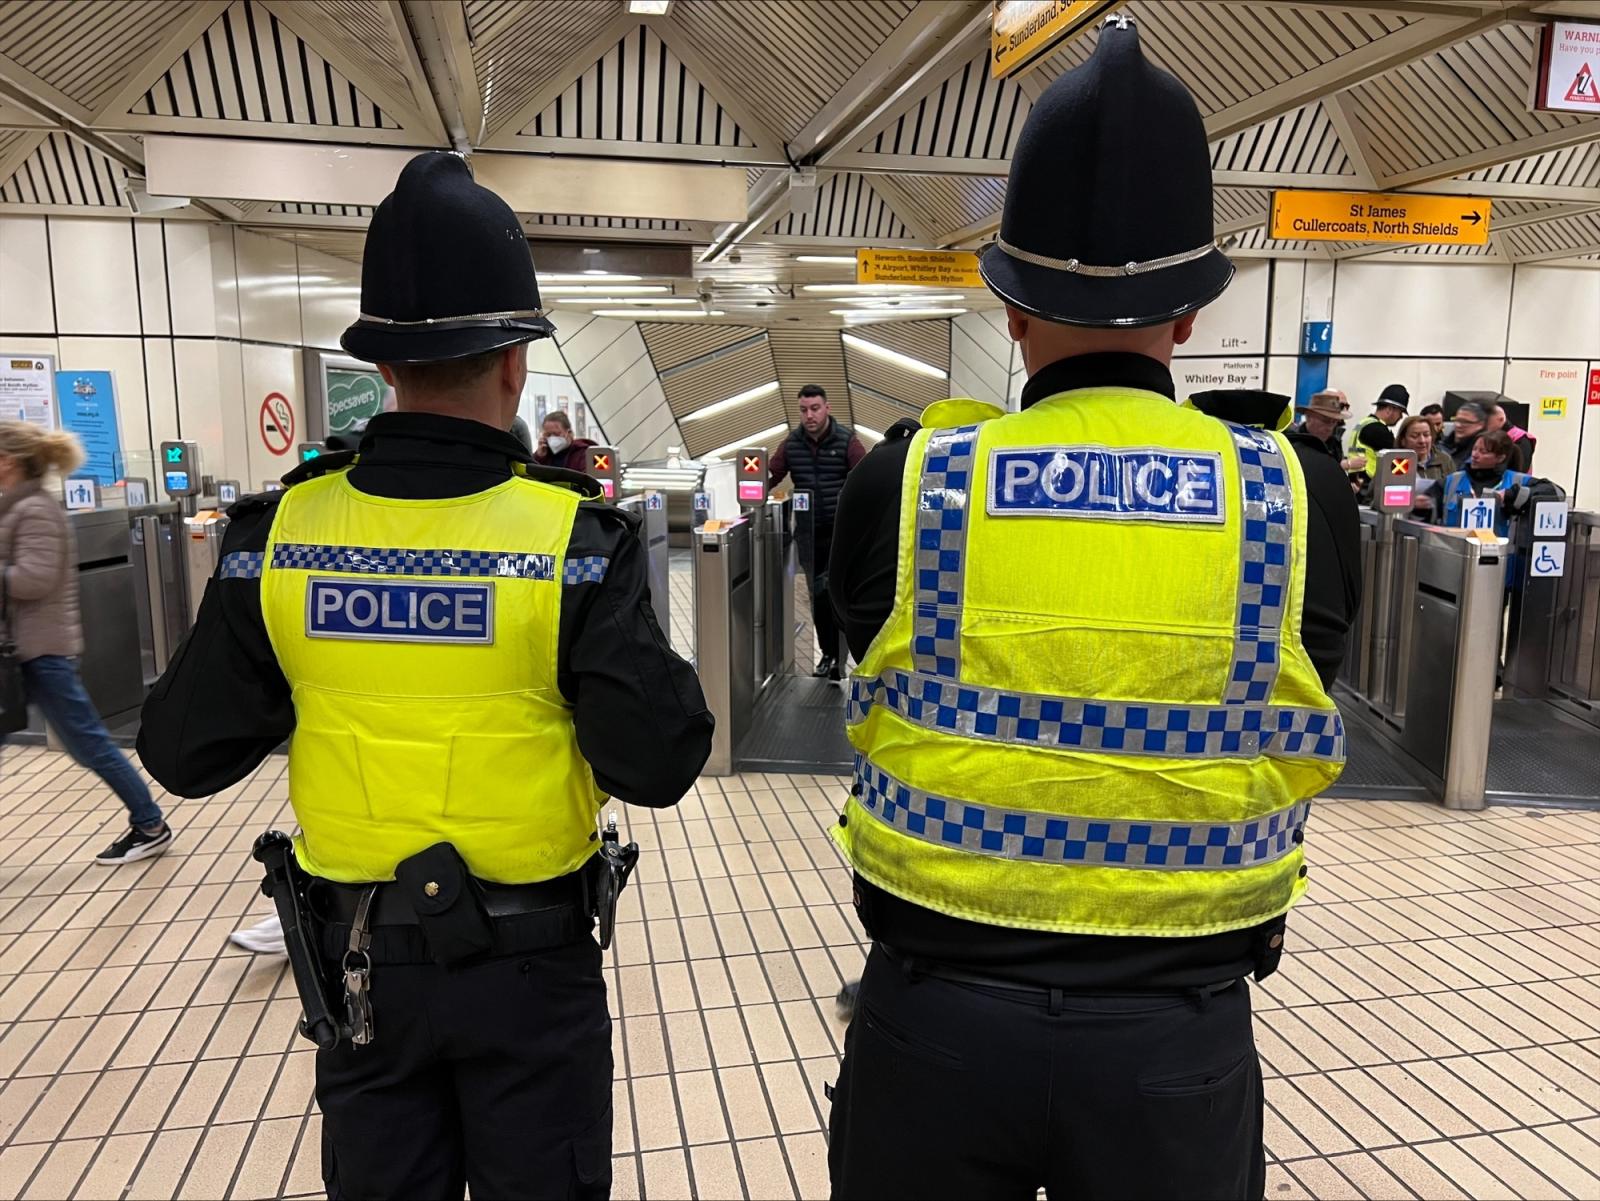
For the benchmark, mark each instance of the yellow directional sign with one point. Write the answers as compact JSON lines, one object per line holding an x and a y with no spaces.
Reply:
{"x":933,"y":268}
{"x":1380,"y":217}
{"x":1023,"y":30}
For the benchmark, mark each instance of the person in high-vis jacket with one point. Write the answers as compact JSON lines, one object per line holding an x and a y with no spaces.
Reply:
{"x":460,"y":648}
{"x":1091,"y":713}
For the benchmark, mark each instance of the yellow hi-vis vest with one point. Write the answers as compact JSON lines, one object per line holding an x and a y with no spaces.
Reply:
{"x":1089,"y":710}
{"x":1357,"y":447}
{"x":419,"y":638}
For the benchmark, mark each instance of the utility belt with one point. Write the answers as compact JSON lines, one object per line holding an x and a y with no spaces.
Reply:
{"x":435,"y":911}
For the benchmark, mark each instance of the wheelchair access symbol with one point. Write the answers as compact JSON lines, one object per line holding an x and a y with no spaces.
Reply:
{"x":1549,"y":560}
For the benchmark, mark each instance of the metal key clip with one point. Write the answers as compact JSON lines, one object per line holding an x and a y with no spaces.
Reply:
{"x":358,"y":973}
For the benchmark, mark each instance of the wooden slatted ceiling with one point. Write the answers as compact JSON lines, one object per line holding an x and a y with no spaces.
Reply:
{"x":1301,"y":141}
{"x":845,"y":206}
{"x":1573,"y":167}
{"x":926,"y":341}
{"x":887,"y":379}
{"x":810,"y":356}
{"x":639,"y":91}
{"x":249,"y":66}
{"x":877,"y":412}
{"x":1227,"y":52}
{"x":1257,"y":239}
{"x":968,"y":115}
{"x":518,"y":46}
{"x":364,"y":32}
{"x":673,"y":343}
{"x":1452,"y":103}
{"x":63,"y":171}
{"x":953,"y":202}
{"x":1239,"y":204}
{"x":85,"y":50}
{"x":719,"y":376}
{"x":786,"y":59}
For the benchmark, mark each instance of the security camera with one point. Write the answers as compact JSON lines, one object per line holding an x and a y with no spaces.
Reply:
{"x":735,"y":257}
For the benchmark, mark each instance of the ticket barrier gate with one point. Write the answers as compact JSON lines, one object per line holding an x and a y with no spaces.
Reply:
{"x":161,"y":583}
{"x":1417,"y":685}
{"x":1575,"y":630}
{"x":651,"y":509}
{"x":725,"y":634}
{"x":107,"y":592}
{"x":203,"y":551}
{"x":773,"y":563}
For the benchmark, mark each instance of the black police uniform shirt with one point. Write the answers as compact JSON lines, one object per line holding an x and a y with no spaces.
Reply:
{"x":640,"y":716}
{"x":862,"y":571}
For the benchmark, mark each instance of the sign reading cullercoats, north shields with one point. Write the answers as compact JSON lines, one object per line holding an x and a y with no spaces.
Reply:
{"x":930,"y":268}
{"x":1022,"y":31}
{"x":1380,"y":217}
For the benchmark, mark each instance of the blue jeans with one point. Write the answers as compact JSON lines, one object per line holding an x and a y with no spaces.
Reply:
{"x":53,"y":685}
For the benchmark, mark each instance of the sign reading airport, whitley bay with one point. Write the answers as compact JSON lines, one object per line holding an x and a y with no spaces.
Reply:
{"x":1380,"y":217}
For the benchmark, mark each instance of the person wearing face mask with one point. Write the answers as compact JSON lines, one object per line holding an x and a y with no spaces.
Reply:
{"x":557,"y":446}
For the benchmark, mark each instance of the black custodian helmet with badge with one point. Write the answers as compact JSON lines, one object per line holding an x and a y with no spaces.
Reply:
{"x":446,"y":273}
{"x":1108,"y":218}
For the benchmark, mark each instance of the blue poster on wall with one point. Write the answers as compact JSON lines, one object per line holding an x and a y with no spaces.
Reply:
{"x":87,"y":401}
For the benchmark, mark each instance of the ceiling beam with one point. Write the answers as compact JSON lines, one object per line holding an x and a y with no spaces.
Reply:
{"x":1351,"y":139}
{"x":21,"y":150}
{"x":1553,"y":213}
{"x":153,"y":66}
{"x":1554,"y":139}
{"x":728,"y":95}
{"x":503,"y":135}
{"x":1496,"y":190}
{"x":767,"y":196}
{"x":435,"y":73}
{"x":936,"y":33}
{"x":1548,"y":256}
{"x":1347,"y":70}
{"x":917,"y":222}
{"x":1465,"y":9}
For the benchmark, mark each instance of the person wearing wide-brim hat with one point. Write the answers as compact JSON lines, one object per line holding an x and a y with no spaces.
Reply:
{"x":459,"y":645}
{"x":1091,"y":703}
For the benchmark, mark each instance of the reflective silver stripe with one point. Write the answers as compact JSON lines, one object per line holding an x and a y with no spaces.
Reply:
{"x":944,"y":496}
{"x":1059,"y":838}
{"x":1076,"y":267}
{"x":463,"y":319}
{"x":1266,"y":537}
{"x":1236,"y":731}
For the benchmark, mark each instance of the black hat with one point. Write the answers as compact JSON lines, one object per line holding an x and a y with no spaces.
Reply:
{"x":1396,"y":395}
{"x":1108,"y":209}
{"x":446,"y":272}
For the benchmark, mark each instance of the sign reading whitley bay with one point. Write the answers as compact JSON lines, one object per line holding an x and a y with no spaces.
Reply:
{"x":1380,"y":217}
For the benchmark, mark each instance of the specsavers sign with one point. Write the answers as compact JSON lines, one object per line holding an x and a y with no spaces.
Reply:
{"x":1380,"y":217}
{"x":354,"y":398}
{"x":1023,"y":30}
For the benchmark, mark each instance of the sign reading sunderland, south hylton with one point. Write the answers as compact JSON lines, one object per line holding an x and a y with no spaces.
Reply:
{"x":1380,"y":217}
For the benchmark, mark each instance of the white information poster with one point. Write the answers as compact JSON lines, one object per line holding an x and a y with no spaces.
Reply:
{"x":1207,"y":375}
{"x":28,"y":389}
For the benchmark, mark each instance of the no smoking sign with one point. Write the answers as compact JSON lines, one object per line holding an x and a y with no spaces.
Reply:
{"x":277,"y":423}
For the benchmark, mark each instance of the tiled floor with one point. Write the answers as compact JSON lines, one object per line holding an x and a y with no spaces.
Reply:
{"x":1436,"y":1032}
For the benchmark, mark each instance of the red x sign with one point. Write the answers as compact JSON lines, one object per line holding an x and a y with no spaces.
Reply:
{"x":1400,"y":467}
{"x":752,"y":464}
{"x":602,"y":462}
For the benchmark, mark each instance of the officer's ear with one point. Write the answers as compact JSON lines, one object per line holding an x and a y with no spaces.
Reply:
{"x":1016,"y":324}
{"x":1183,"y":327}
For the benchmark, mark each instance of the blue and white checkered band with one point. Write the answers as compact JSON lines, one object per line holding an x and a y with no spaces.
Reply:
{"x":1058,"y":838}
{"x":1264,"y":572}
{"x":1075,"y":724}
{"x":590,"y":569}
{"x":241,"y":565}
{"x":378,"y":560}
{"x":943,"y":497}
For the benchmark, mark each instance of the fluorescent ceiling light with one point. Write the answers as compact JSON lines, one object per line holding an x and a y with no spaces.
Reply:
{"x":637,"y":299}
{"x":722,"y":406}
{"x":826,"y":258}
{"x":868,"y":289}
{"x":875,"y":435}
{"x":649,"y":8}
{"x":606,"y":290}
{"x":748,"y":440}
{"x":888,"y":302}
{"x":862,"y":316}
{"x":585,"y":277}
{"x":894,"y":356}
{"x":655,"y":314}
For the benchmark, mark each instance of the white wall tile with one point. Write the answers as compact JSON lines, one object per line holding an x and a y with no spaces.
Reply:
{"x":980,"y":357}
{"x":1282,"y":373}
{"x":189,"y":284}
{"x":267,"y":369}
{"x":580,"y":348}
{"x":208,"y":397}
{"x":330,"y":297}
{"x":1288,"y":293}
{"x":161,"y":391}
{"x":1555,"y":313}
{"x":26,"y":299}
{"x":91,"y":268}
{"x":269,"y":289}
{"x":150,"y":260}
{"x":1235,"y":323}
{"x":1435,"y":310}
{"x":224,"y":280}
{"x":1427,"y":379}
{"x":1530,"y":381}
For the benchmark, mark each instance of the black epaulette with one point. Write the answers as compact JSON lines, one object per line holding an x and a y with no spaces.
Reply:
{"x":585,"y":485}
{"x":906,"y":427}
{"x":333,"y":460}
{"x":256,"y":502}
{"x":609,"y":514}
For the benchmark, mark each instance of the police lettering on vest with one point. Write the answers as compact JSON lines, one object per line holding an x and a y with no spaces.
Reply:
{"x":400,"y":611}
{"x":1095,"y":481}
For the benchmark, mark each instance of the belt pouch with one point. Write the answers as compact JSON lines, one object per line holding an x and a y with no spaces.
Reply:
{"x":444,"y":896}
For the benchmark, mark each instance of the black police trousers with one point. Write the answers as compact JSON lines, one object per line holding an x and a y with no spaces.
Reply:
{"x":814,"y":553}
{"x":495,"y":1075}
{"x":960,"y":1090}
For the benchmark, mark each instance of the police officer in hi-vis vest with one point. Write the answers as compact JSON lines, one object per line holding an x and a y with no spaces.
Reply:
{"x":460,"y":648}
{"x":1089,"y":719}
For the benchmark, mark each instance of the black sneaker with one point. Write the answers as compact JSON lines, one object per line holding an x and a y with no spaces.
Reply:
{"x":136,"y":845}
{"x":826,"y":668}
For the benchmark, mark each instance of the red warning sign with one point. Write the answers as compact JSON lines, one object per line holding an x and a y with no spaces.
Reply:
{"x":1583,"y":89}
{"x":1594,"y":386}
{"x":277,"y":423}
